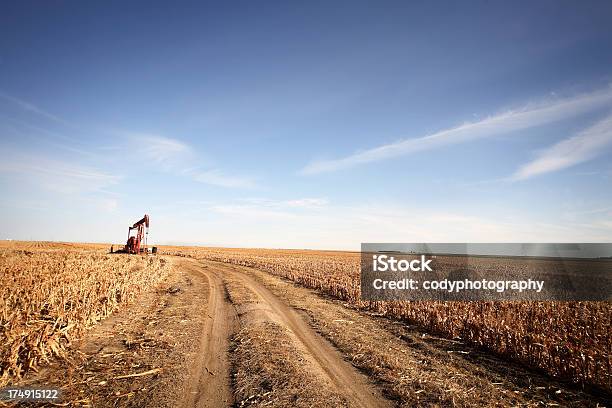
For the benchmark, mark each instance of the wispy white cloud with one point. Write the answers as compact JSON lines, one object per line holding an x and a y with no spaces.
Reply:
{"x":604,"y":224}
{"x":584,"y":146}
{"x":263,"y":208}
{"x":56,"y":175}
{"x":264,"y":223}
{"x":108,"y":204}
{"x":218,"y":178}
{"x":252,"y":212}
{"x":306,"y":203}
{"x":30,"y":107}
{"x":175,"y":156}
{"x":29,"y":134}
{"x":530,"y":115}
{"x":162,"y":150}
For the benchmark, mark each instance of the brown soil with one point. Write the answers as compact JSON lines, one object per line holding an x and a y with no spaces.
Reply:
{"x":276,"y":347}
{"x":209,"y":384}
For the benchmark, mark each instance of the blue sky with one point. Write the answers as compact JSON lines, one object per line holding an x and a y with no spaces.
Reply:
{"x":306,"y":125}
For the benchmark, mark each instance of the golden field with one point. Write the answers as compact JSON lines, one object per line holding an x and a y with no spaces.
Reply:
{"x":51,"y":292}
{"x":569,"y":340}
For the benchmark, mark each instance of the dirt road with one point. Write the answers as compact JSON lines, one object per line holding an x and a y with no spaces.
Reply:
{"x":210,"y":385}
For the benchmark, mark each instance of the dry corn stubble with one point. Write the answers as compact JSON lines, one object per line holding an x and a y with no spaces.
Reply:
{"x":51,"y":293}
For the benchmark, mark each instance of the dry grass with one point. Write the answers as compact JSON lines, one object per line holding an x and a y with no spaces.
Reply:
{"x":51,"y":293}
{"x":569,"y":340}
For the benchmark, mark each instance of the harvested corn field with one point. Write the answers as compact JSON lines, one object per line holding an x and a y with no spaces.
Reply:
{"x":210,"y":327}
{"x":51,"y":293}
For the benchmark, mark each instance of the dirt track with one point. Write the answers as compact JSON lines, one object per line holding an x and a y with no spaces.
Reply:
{"x":210,"y":384}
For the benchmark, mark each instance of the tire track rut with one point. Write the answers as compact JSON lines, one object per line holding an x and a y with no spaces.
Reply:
{"x":353,"y":385}
{"x":210,"y":377}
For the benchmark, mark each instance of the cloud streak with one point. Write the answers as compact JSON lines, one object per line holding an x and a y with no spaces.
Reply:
{"x":299,"y":203}
{"x":218,"y":178}
{"x":569,"y":152}
{"x":27,"y":106}
{"x":58,"y":176}
{"x":174,"y":156}
{"x":529,"y":116}
{"x":272,"y":209}
{"x":163,"y":150}
{"x":273,"y":223}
